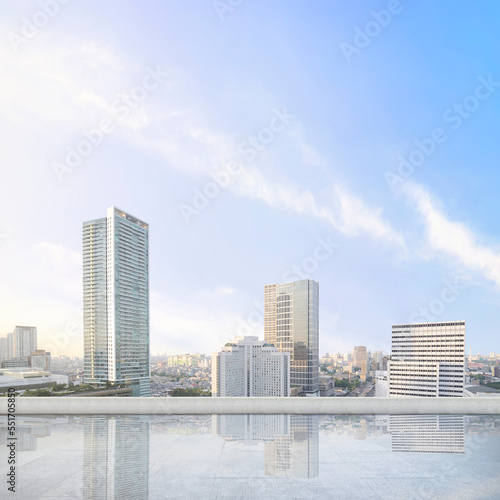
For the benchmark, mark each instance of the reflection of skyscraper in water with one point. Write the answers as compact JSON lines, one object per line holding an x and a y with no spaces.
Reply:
{"x":296,"y":455}
{"x":28,"y":430}
{"x":427,"y":433}
{"x":290,"y":441}
{"x":251,"y":428}
{"x":116,"y":458}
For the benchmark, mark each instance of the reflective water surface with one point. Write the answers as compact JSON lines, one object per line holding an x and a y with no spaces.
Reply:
{"x":255,"y":456}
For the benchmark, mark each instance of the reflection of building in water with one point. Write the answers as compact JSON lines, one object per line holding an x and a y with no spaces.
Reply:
{"x":116,"y":458}
{"x":247,"y":428}
{"x":27,"y":431}
{"x":290,"y":441}
{"x":427,"y":433}
{"x":296,"y":455}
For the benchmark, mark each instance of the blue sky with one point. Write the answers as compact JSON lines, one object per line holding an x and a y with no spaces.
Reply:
{"x":316,"y":105}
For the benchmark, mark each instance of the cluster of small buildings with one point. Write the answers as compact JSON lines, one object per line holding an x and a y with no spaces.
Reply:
{"x":19,"y":350}
{"x":164,"y":379}
{"x":199,"y":360}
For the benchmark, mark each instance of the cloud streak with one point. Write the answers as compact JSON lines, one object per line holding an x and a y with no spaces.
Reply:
{"x":452,"y":238}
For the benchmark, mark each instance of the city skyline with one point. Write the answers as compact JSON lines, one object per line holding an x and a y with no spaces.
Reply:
{"x":292,"y":155}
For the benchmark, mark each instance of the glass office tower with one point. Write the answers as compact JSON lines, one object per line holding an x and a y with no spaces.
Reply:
{"x":116,"y":301}
{"x":291,"y":323}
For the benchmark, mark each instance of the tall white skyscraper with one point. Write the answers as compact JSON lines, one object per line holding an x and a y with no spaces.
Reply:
{"x":10,"y":345}
{"x":291,"y":323}
{"x":3,"y":348}
{"x":116,"y":301}
{"x":24,"y":341}
{"x":250,"y":368}
{"x":428,"y":359}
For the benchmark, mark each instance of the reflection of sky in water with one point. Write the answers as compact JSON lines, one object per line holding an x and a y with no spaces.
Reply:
{"x":257,"y":456}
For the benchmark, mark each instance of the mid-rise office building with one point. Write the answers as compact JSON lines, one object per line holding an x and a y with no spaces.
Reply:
{"x":250,"y":368}
{"x":15,"y":363}
{"x":24,"y":341}
{"x":40,"y":360}
{"x":291,"y":323}
{"x":381,"y":390}
{"x":116,"y":301}
{"x":428,"y":359}
{"x":326,"y":386}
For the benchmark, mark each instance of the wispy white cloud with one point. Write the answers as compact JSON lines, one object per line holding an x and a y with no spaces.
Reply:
{"x":451,"y":238}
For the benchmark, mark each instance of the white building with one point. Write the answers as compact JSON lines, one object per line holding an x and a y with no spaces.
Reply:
{"x":116,"y":301}
{"x":250,"y":368}
{"x":24,"y":341}
{"x":3,"y":348}
{"x":291,"y":323}
{"x":428,"y":359}
{"x":381,"y":387}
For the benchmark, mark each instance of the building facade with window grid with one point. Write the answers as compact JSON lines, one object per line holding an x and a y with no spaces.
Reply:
{"x":291,"y":323}
{"x":428,"y":359}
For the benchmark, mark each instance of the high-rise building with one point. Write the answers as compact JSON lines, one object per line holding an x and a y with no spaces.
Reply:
{"x":3,"y":348}
{"x":428,"y":359}
{"x":10,"y":345}
{"x":116,"y":301}
{"x":250,"y":368}
{"x":24,"y":341}
{"x":291,"y":323}
{"x":361,"y":359}
{"x":378,"y":359}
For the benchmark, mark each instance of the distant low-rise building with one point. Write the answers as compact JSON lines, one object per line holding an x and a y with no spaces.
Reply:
{"x":40,"y":360}
{"x":326,"y":386}
{"x":15,"y":363}
{"x":23,"y":378}
{"x":480,"y":391}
